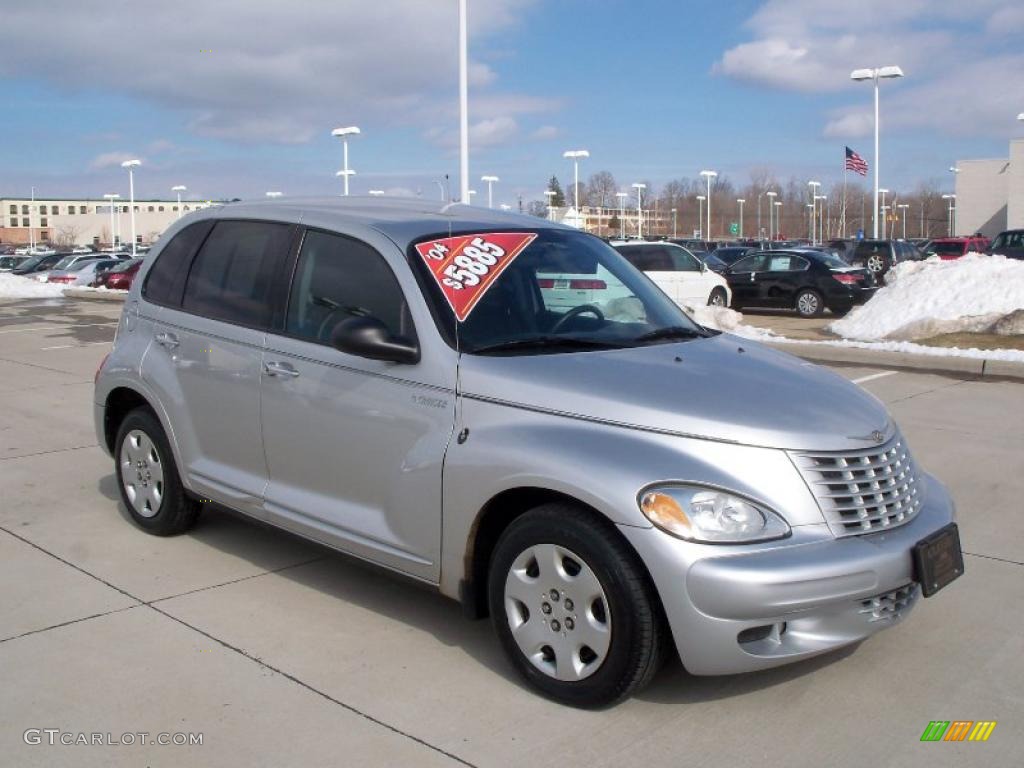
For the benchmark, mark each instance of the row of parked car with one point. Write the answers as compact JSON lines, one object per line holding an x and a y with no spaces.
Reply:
{"x":114,"y":271}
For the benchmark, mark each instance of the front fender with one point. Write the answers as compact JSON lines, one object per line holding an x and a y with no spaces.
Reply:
{"x":601,"y":465}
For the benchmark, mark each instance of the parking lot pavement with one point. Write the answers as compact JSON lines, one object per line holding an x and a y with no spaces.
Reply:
{"x":282,"y":653}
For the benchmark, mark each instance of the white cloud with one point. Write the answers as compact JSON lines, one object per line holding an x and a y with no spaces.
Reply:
{"x":950,"y":63}
{"x":251,"y":71}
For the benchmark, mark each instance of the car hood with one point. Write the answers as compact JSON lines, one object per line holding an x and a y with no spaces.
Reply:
{"x":719,"y":388}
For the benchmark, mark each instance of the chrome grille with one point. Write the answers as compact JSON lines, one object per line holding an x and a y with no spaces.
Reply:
{"x":863,"y":491}
{"x":889,"y":605}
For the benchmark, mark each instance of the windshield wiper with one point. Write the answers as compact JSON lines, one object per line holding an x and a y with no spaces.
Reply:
{"x":545,"y":342}
{"x":669,"y":332}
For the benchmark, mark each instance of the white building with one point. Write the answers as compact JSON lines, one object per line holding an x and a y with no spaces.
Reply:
{"x":990,"y":193}
{"x":87,"y":221}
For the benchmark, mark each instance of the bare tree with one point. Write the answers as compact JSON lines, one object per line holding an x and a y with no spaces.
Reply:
{"x":66,"y":235}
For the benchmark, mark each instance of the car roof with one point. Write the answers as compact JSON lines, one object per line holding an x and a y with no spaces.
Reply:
{"x":403,"y":220}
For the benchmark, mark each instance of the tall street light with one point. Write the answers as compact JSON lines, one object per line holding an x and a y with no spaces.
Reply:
{"x":343,"y":134}
{"x":375,"y":192}
{"x":131,"y":165}
{"x":575,"y":155}
{"x":463,"y":106}
{"x":777,"y":205}
{"x":903,"y":215}
{"x":741,"y":201}
{"x":709,"y":175}
{"x":675,"y":233}
{"x":274,"y":194}
{"x":490,"y":189}
{"x":821,"y":219}
{"x":622,"y":212}
{"x":771,"y":195}
{"x":469,"y":196}
{"x":818,"y":214}
{"x":111,"y":198}
{"x":179,"y":189}
{"x":814,"y":191}
{"x":700,"y":216}
{"x":883,"y":193}
{"x":876,"y":74}
{"x":810,"y":221}
{"x":949,"y":214}
{"x":550,"y":194}
{"x":639,"y":210}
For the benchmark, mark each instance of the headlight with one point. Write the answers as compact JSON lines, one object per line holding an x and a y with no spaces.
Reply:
{"x":710,"y":516}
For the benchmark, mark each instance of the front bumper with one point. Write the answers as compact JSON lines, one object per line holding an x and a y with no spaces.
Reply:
{"x":739,"y":609}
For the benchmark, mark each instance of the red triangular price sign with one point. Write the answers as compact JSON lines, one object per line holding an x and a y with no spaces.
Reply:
{"x":466,"y":266}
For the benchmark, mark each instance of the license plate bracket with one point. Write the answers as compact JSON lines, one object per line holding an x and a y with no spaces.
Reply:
{"x":938,"y":559}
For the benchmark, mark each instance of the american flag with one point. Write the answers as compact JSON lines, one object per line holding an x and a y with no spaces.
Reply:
{"x":855,"y":163}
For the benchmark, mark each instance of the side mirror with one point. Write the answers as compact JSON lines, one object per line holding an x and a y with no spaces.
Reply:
{"x":369,"y":337}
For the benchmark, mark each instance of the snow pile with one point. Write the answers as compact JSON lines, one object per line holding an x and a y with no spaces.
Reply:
{"x":18,"y":287}
{"x":728,"y":320}
{"x":909,"y":347}
{"x":927,"y":298}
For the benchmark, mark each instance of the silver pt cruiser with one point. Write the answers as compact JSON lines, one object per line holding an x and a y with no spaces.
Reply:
{"x":602,"y":476}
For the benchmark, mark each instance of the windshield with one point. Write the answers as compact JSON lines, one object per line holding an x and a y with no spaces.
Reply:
{"x":124,"y":266}
{"x":954,"y":248}
{"x":30,"y":262}
{"x":63,"y":263}
{"x":831,"y":260}
{"x":544,"y":291}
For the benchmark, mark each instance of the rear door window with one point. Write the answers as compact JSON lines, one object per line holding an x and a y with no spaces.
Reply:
{"x":233,"y":275}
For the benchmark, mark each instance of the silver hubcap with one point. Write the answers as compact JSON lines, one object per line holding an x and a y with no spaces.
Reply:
{"x":717,"y":299}
{"x":807,"y":303}
{"x":557,"y":612}
{"x":142,"y":473}
{"x":875,"y":263}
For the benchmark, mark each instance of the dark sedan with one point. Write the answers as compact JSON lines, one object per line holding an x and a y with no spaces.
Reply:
{"x":731,"y":253}
{"x":808,"y":281}
{"x":37,"y":264}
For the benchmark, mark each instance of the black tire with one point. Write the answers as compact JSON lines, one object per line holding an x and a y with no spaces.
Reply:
{"x":176,"y":512}
{"x":809,"y":303}
{"x":639,"y":636}
{"x":722,"y":299}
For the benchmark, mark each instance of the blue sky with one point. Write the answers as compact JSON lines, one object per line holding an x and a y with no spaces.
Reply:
{"x":236,"y":98}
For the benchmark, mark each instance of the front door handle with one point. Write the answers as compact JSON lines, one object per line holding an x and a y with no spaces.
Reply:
{"x":280,"y":369}
{"x":751,"y":277}
{"x":168,"y":340}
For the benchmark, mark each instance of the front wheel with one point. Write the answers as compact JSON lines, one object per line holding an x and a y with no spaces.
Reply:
{"x":574,"y":608}
{"x":809,"y":303}
{"x":717,"y":298}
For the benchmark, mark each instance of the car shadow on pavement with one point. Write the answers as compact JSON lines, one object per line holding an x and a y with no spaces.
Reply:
{"x":399,"y":598}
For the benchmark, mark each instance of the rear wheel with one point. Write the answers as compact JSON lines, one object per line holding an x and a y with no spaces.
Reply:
{"x":809,"y":303}
{"x":717,"y":298}
{"x":573,"y":607}
{"x":876,"y":264}
{"x":147,"y":477}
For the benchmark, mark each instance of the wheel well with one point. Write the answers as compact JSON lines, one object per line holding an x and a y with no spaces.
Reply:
{"x":120,"y":402}
{"x":497,"y":515}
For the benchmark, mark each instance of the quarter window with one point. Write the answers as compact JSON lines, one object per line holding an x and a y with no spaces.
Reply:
{"x":756,"y":263}
{"x":234,"y":273}
{"x":166,"y":276}
{"x":337,"y":278}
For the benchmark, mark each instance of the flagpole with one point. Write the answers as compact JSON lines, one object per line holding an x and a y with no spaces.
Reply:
{"x":844,"y":197}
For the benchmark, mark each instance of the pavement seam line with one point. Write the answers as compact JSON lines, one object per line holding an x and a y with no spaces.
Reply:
{"x":46,"y":453}
{"x":993,"y":557}
{"x":247,"y":655}
{"x":70,"y":622}
{"x":36,"y":365}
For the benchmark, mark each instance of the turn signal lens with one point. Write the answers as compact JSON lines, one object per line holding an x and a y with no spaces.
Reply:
{"x":710,"y":516}
{"x":665,"y":512}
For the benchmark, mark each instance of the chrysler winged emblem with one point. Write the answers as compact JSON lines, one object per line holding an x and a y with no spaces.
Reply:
{"x":878,"y":436}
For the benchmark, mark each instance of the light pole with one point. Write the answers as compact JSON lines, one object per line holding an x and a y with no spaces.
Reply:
{"x":469,"y":196}
{"x":741,"y":201}
{"x":771,"y":195}
{"x":777,"y":205}
{"x":622,"y":212}
{"x":821,"y":219}
{"x":639,"y":210}
{"x":817,"y":214}
{"x":883,"y":193}
{"x":903,"y":215}
{"x":32,"y":220}
{"x":709,"y":175}
{"x":111,"y":198}
{"x":274,"y":194}
{"x":674,"y":231}
{"x":575,"y":155}
{"x":700,"y":216}
{"x":343,"y":134}
{"x":876,"y":74}
{"x":810,"y":220}
{"x":463,"y":106}
{"x":375,"y":192}
{"x":550,"y":194}
{"x":490,"y":189}
{"x":179,"y":189}
{"x":814,"y":191}
{"x":949,"y":214}
{"x":131,"y":165}
{"x":440,"y":186}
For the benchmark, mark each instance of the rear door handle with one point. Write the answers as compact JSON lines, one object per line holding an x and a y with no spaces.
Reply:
{"x":273,"y":368}
{"x":168,"y":340}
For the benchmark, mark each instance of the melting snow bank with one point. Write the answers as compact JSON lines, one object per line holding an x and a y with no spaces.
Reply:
{"x":908,"y":347}
{"x":18,"y":287}
{"x":972,"y":294}
{"x":730,"y":321}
